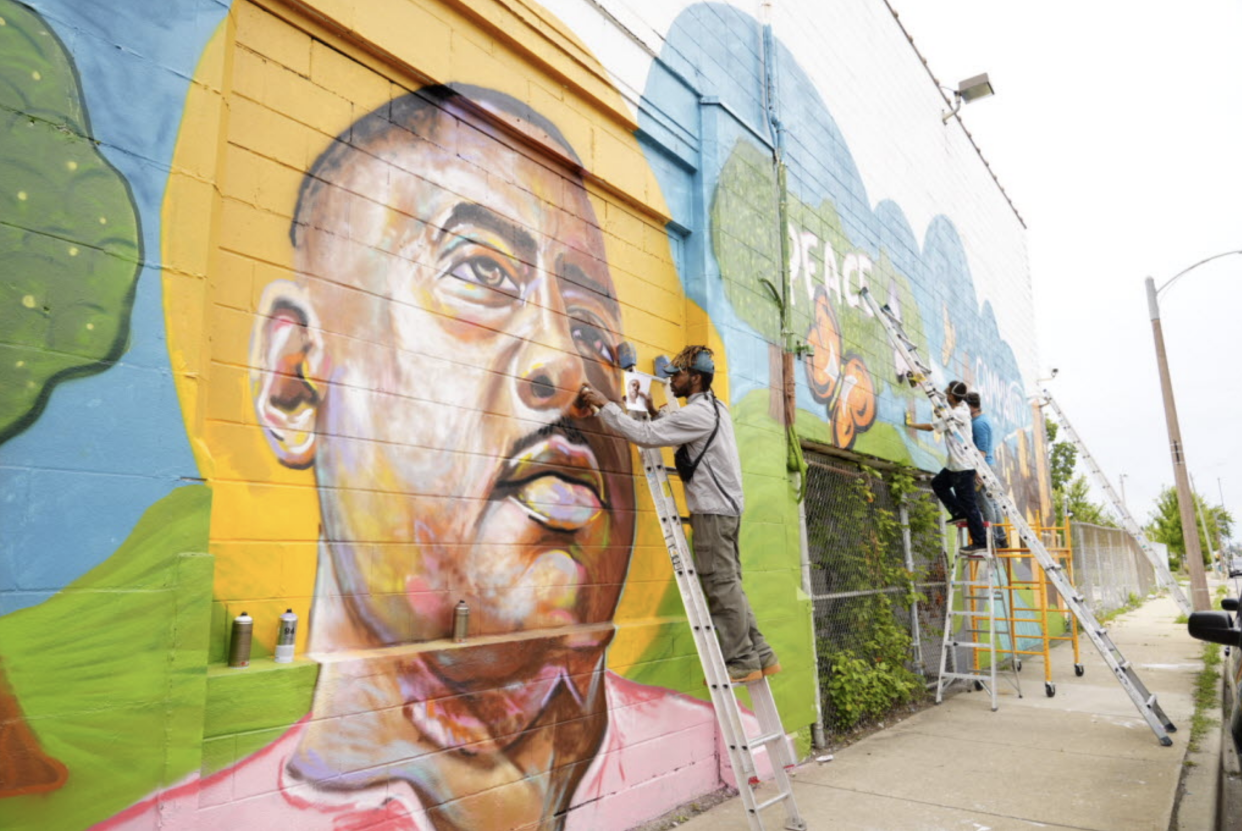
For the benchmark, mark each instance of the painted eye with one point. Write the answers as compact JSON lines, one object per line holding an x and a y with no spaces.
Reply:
{"x":484,"y":279}
{"x":593,"y":341}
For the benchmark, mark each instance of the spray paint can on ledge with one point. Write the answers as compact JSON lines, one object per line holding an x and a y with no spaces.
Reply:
{"x":461,"y":621}
{"x":288,"y":634}
{"x":239,"y":643}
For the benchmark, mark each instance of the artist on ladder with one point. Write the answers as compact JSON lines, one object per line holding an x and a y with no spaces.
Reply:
{"x":707,"y":461}
{"x":955,"y":483}
{"x":981,"y":434}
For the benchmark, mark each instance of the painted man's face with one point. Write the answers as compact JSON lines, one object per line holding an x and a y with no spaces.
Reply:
{"x":466,"y":298}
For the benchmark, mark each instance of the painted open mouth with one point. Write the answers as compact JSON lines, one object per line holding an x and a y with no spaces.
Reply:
{"x":557,"y":482}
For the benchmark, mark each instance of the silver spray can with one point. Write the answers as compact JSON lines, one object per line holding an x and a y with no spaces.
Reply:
{"x":288,"y":634}
{"x":239,"y":644}
{"x":461,"y":621}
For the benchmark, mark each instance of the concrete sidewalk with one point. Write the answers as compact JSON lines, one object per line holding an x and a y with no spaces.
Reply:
{"x":1083,"y":759}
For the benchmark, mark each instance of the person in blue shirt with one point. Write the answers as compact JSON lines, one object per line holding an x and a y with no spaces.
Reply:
{"x":981,"y":428}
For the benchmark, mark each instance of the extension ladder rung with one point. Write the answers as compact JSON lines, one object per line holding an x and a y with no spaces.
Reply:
{"x":766,"y":738}
{"x":768,"y":803}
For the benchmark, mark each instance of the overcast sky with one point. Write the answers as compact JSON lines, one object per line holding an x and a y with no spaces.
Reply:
{"x":1116,"y":129}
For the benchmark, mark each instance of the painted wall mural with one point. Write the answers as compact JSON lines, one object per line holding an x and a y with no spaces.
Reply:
{"x":296,"y":320}
{"x":852,"y":390}
{"x":71,"y":248}
{"x":451,"y":293}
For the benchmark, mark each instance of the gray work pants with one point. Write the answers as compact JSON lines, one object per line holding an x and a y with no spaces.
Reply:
{"x":718,"y":561}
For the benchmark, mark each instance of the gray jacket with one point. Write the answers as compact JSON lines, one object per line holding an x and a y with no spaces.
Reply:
{"x":717,"y":485}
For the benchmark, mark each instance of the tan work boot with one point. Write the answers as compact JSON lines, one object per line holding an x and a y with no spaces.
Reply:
{"x":744,"y":676}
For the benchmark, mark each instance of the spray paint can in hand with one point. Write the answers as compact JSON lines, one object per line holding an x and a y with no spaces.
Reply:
{"x":461,"y":621}
{"x":288,"y":634}
{"x":239,"y":644}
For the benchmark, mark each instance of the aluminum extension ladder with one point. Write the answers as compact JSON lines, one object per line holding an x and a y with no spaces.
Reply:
{"x":1145,"y":702}
{"x":741,"y":747}
{"x":978,"y":579}
{"x":1132,"y":528}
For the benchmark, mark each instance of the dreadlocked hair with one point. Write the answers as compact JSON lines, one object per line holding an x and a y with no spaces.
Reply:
{"x":685,"y":357}
{"x":685,"y":360}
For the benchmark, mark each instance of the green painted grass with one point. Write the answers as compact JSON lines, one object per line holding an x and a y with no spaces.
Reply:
{"x":111,"y":672}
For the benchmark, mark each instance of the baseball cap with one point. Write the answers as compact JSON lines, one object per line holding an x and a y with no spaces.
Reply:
{"x":702,"y":363}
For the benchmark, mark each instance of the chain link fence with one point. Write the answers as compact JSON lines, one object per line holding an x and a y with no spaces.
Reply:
{"x":877,"y":574}
{"x":878,"y":589}
{"x":1109,"y":566}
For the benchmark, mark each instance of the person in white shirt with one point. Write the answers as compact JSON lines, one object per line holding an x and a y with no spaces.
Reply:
{"x":955,"y":483}
{"x":707,"y":461}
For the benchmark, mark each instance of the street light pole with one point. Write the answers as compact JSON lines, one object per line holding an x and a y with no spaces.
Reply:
{"x":1199,"y":597}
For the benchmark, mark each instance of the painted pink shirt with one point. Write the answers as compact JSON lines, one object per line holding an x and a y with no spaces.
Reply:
{"x":660,"y":750}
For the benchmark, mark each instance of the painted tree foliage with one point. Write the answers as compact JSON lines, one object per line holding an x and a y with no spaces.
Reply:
{"x":68,"y":228}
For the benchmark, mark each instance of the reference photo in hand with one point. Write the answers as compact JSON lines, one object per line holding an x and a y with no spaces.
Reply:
{"x":637,"y":392}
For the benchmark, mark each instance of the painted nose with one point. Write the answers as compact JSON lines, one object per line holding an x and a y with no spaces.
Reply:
{"x":552,"y":376}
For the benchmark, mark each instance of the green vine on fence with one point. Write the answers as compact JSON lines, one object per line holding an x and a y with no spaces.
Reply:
{"x":868,"y":676}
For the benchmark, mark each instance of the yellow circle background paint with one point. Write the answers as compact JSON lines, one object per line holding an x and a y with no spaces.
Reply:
{"x":265,"y":517}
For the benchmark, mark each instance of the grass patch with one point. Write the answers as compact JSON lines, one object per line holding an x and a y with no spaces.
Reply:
{"x":1132,"y":603}
{"x":1181,"y":619}
{"x":1207,"y":695}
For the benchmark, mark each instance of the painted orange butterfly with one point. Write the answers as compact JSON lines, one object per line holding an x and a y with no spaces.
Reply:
{"x":848,"y":391}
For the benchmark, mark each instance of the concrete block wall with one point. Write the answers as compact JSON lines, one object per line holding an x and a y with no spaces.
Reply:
{"x":359,"y":258}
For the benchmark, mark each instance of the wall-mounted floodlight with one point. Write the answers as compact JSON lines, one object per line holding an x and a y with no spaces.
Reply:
{"x":969,"y":90}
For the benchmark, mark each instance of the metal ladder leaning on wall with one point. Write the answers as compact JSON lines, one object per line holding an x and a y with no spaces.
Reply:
{"x":1143,"y":700}
{"x":728,"y":713}
{"x":1163,"y":574}
{"x":978,"y":578}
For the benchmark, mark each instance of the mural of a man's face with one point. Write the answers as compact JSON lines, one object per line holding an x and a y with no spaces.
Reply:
{"x":455,"y":297}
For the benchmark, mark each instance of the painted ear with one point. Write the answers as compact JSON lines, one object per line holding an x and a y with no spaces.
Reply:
{"x":288,"y":365}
